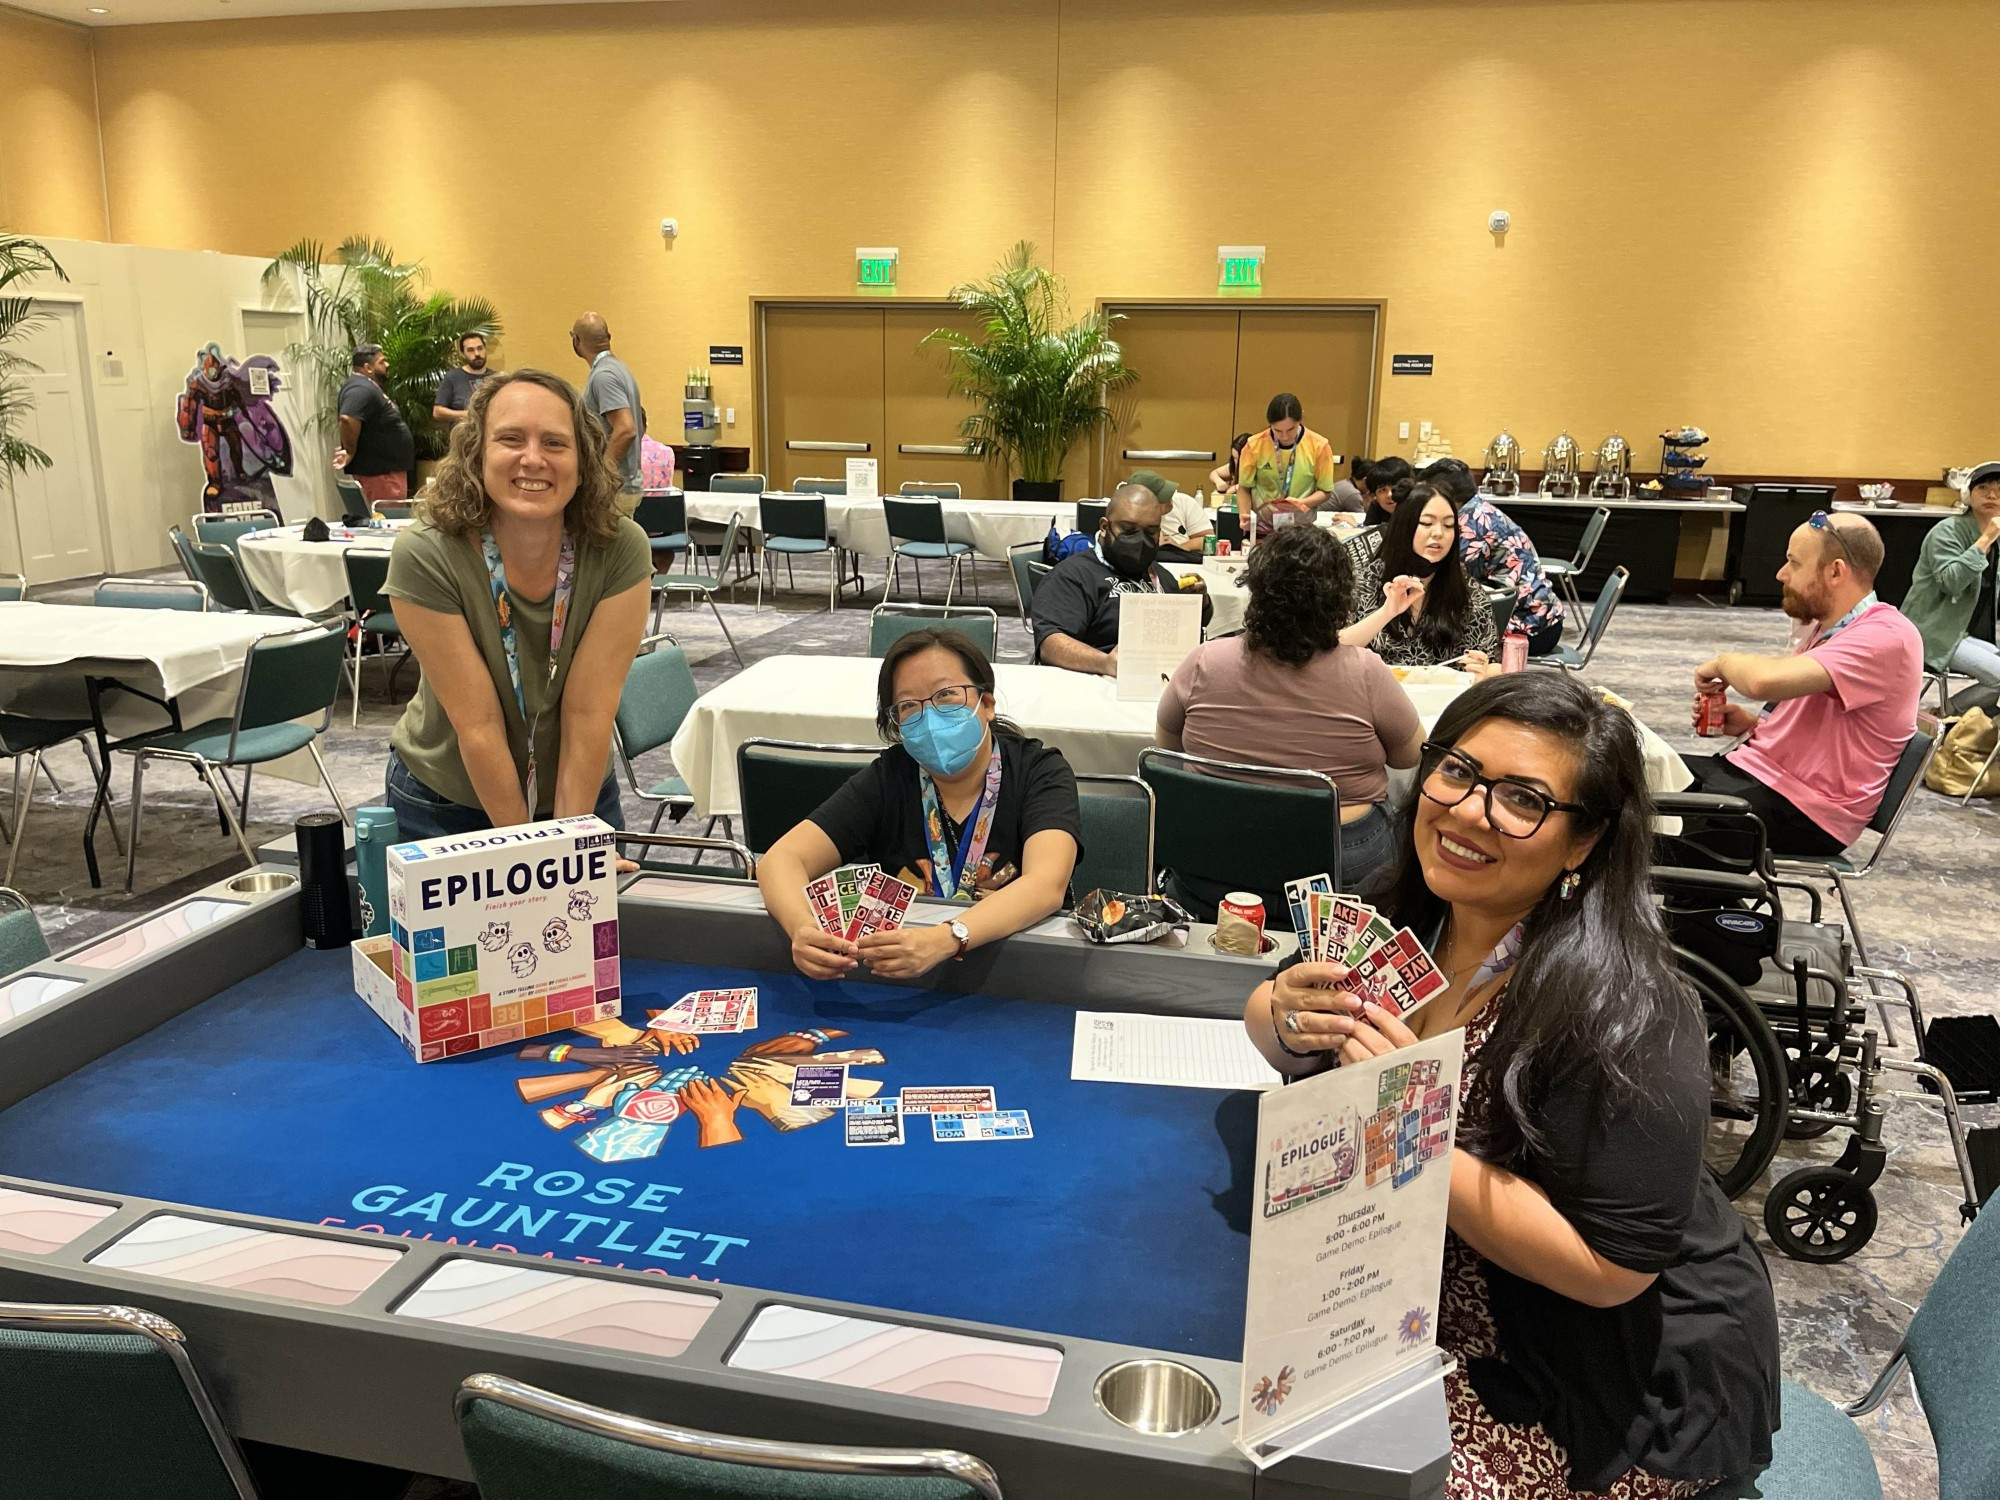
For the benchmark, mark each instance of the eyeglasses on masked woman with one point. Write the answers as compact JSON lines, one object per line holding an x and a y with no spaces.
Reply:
{"x":1514,"y":808}
{"x":959,"y":695}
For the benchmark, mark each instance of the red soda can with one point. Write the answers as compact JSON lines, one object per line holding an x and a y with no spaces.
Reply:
{"x":1223,"y":548}
{"x":1513,"y":651}
{"x":1708,"y":712}
{"x":1238,"y":910}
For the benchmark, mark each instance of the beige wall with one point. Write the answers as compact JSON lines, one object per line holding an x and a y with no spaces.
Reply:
{"x":51,"y":181}
{"x":1775,"y":218}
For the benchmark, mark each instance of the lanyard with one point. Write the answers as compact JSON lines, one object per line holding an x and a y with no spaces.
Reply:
{"x":1845,"y":620}
{"x":955,"y":878}
{"x":496,"y":575}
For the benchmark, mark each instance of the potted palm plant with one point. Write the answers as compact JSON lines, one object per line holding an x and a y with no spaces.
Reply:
{"x":1039,"y":382}
{"x":19,"y":259}
{"x":361,"y":294}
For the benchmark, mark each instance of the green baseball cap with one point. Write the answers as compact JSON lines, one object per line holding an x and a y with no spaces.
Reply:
{"x":1163,"y":489}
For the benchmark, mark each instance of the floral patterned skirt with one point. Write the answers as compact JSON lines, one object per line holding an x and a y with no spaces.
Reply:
{"x":1496,"y":1460}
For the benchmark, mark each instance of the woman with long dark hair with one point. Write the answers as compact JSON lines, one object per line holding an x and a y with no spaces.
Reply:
{"x":1613,"y":1324}
{"x":1287,"y":692}
{"x":1443,"y":618}
{"x":961,"y":805}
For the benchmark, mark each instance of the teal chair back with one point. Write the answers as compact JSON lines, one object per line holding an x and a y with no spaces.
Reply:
{"x":1602,"y":611}
{"x":184,"y":550}
{"x":354,"y":507}
{"x":220,"y":569}
{"x":662,"y":515}
{"x":1090,"y":515}
{"x":736,"y":484}
{"x":794,"y":517}
{"x":106,"y":1401}
{"x":1213,"y":827}
{"x":288,"y":677}
{"x":530,"y":1444}
{"x":819,"y":486}
{"x":1953,"y":1347}
{"x":1025,"y":561}
{"x":919,"y":520}
{"x":1116,"y":816}
{"x":783,"y":782}
{"x":395,"y":510}
{"x":21,"y":939}
{"x":659,"y":690}
{"x":942,"y":489}
{"x":1593,"y":533}
{"x":14,"y":586}
{"x":151,"y":593}
{"x":229,"y":530}
{"x":889,"y":623}
{"x":1902,"y":785}
{"x":1501,"y":602}
{"x":367,"y":573}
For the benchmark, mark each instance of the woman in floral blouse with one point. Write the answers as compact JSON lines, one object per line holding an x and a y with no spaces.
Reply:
{"x":1499,"y":555}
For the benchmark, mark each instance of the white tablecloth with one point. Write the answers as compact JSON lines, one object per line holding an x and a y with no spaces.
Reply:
{"x":46,"y":650}
{"x":831,"y":700}
{"x":301,"y":575}
{"x":992,"y":526}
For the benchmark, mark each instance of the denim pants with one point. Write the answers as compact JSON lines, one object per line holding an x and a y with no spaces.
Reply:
{"x":1979,"y":660}
{"x":424,"y":814}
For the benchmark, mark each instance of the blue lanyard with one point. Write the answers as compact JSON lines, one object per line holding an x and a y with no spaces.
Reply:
{"x":496,"y":577}
{"x":1845,"y":620}
{"x":949,"y":877}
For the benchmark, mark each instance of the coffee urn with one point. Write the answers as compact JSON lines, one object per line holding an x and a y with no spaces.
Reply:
{"x":1561,"y":479}
{"x":1503,"y":466}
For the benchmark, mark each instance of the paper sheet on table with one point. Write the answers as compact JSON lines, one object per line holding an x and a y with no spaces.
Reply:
{"x":1155,"y":634}
{"x":861,"y":479}
{"x":1177,"y":1051}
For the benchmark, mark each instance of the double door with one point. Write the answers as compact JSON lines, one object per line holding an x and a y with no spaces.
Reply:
{"x":1207,"y":373}
{"x":853,"y":380}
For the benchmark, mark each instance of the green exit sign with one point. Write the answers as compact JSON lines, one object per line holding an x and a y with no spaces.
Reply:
{"x":1242,"y":268}
{"x":875,"y":269}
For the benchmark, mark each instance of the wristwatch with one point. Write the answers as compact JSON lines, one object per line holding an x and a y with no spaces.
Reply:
{"x":957,"y":929}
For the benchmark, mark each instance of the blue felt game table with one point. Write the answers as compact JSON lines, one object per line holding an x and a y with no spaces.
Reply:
{"x":221,"y":1091}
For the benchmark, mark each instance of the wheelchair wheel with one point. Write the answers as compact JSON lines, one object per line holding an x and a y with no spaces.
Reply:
{"x":1819,"y":1214}
{"x":1818,"y":1084}
{"x":1750,"y":1099}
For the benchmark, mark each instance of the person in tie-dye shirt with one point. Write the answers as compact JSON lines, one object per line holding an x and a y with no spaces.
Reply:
{"x":1498,"y":555}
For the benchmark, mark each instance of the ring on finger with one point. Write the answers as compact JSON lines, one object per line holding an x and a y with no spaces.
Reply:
{"x":1292,"y":1022}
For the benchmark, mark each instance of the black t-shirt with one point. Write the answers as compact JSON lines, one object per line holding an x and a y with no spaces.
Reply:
{"x":456,"y":386}
{"x":1080,"y":597}
{"x":1682,"y":1380}
{"x":385,"y":445}
{"x":878,"y":816}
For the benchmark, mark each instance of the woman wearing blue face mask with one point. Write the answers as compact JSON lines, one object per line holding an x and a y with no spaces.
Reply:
{"x":961,"y":805}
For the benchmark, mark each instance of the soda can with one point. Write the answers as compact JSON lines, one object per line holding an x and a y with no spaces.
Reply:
{"x":1208,"y":544}
{"x":1224,"y":548}
{"x":1513,"y":651}
{"x":1239,"y":923}
{"x":1708,"y":713}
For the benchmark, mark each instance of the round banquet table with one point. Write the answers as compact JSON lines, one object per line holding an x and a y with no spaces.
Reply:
{"x":991,"y":526}
{"x":305,"y":576}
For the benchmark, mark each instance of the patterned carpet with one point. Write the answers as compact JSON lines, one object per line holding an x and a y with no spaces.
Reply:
{"x":1926,"y":911}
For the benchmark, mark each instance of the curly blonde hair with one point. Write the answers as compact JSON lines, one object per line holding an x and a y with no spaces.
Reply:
{"x":458,"y":502}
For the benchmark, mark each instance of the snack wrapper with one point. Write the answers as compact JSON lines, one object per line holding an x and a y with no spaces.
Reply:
{"x":1113,"y":917}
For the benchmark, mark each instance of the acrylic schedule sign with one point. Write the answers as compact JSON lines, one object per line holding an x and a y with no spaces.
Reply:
{"x":1346,"y":1242}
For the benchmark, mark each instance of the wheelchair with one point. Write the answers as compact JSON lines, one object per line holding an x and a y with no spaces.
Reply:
{"x":1792,"y":1049}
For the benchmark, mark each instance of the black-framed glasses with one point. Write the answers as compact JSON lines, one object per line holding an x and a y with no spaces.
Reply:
{"x":1513,"y":808}
{"x":1820,"y":521}
{"x":958,"y":695}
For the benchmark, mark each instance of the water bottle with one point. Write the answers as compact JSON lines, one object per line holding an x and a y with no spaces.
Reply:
{"x":375,"y":829}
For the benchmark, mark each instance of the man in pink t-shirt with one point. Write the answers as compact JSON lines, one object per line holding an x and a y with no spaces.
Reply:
{"x":1816,"y":763}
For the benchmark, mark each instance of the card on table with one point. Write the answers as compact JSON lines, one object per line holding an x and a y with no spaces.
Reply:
{"x":874,"y":1122}
{"x":819,"y":1085}
{"x":987,"y":1125}
{"x":965,"y":1099}
{"x":1298,"y":896}
{"x":707,"y":1011}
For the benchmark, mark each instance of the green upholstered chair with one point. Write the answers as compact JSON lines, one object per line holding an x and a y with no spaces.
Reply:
{"x":395,"y":510}
{"x":28,"y":738}
{"x":916,"y":533}
{"x":736,"y":484}
{"x":21,"y":939}
{"x":783,"y":782}
{"x":1090,"y":515}
{"x":664,"y":519}
{"x":106,"y":1401}
{"x":703,"y":585}
{"x":1116,"y":813}
{"x":1222,"y":826}
{"x":1024,"y":561}
{"x":942,"y":489}
{"x":285,"y":678}
{"x":14,"y":586}
{"x":659,"y":690}
{"x":184,"y":550}
{"x":888,"y":623}
{"x":221,"y":570}
{"x":354,"y":507}
{"x":228,"y":530}
{"x":1501,"y":602}
{"x":819,"y":486}
{"x":530,"y":1444}
{"x":795,"y":526}
{"x":1576,"y":658}
{"x":373,"y":613}
{"x":151,"y":593}
{"x":1566,"y":570}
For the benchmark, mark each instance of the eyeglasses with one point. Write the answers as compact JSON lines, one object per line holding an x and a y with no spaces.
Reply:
{"x":1513,"y":808}
{"x":960,"y":695}
{"x":1820,"y":521}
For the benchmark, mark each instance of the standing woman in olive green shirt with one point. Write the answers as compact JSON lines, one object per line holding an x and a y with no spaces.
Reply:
{"x":523,"y":591}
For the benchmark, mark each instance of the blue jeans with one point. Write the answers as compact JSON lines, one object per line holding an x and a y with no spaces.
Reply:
{"x":424,"y":814}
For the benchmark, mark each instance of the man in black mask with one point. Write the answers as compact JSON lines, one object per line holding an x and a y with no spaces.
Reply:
{"x":1076,"y":606}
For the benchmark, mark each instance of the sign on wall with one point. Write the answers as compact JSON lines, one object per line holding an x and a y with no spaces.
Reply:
{"x":875,"y":268}
{"x":725,"y":354}
{"x":1241,"y":268}
{"x":1410,"y":364}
